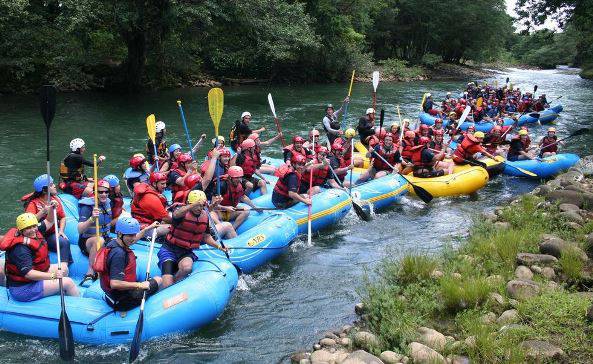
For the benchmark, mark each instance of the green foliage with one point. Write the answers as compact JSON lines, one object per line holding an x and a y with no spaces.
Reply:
{"x":546,"y":49}
{"x":467,"y":292}
{"x":571,"y":264}
{"x":394,"y":67}
{"x":415,"y":268}
{"x":559,"y":317}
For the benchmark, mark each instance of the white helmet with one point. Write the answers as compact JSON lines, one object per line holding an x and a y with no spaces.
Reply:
{"x":244,"y":114}
{"x":76,"y":144}
{"x":159,"y":126}
{"x":429,"y":95}
{"x":370,"y":110}
{"x":449,"y":93}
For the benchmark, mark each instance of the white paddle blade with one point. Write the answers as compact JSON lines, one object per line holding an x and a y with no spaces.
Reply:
{"x":464,"y":115}
{"x":375,"y":80}
{"x":271,"y":102}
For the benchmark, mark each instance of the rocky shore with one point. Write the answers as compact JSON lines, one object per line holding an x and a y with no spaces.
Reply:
{"x":518,"y":289}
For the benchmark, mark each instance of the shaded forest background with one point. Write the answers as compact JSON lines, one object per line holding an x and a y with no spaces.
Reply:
{"x":82,"y":44}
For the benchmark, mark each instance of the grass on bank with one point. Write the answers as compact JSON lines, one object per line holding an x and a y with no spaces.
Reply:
{"x":404,"y":296}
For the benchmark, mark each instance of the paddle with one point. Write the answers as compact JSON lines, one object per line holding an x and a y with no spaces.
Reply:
{"x":470,"y":162}
{"x":135,"y":347}
{"x":362,"y":214}
{"x":381,"y":119}
{"x":420,"y":192}
{"x":578,"y":132}
{"x":524,"y":171}
{"x":507,"y":83}
{"x":215,"y":108}
{"x":345,"y":118}
{"x":191,"y":149}
{"x":461,"y":120}
{"x":47,"y":101}
{"x":401,"y":125}
{"x":151,"y":128}
{"x":271,"y":102}
{"x":310,"y":207}
{"x":96,"y":189}
{"x":479,"y":101}
{"x":352,"y":163}
{"x":423,"y":100}
{"x":375,"y":85}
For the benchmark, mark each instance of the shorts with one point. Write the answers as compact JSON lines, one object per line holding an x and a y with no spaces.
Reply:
{"x":169,"y":256}
{"x":27,"y":292}
{"x":128,"y":300}
{"x":224,"y":215}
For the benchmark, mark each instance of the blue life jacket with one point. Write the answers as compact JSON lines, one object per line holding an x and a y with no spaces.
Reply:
{"x":85,"y":207}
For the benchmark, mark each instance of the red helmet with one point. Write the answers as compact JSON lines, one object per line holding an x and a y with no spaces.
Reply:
{"x":192,"y":180}
{"x":471,"y":127}
{"x":337,"y":146}
{"x":423,"y":127}
{"x":224,"y":152}
{"x":314,"y":132}
{"x":248,"y":143}
{"x":297,"y":158}
{"x":321,"y":149}
{"x":381,"y":132}
{"x":298,"y":139}
{"x":423,"y":140}
{"x":497,"y":128}
{"x":439,"y":132}
{"x":184,"y":158}
{"x":157,"y":177}
{"x":409,"y":134}
{"x":463,"y":101}
{"x":136,"y":161}
{"x":437,"y":120}
{"x":253,"y":136}
{"x":235,"y":172}
{"x":103,"y":183}
{"x":389,"y":135}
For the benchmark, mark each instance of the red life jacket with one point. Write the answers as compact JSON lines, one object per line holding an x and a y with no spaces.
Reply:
{"x":189,"y":233}
{"x":117,"y":206}
{"x":389,"y":156}
{"x":436,"y":145}
{"x":550,"y":148}
{"x":100,"y":265}
{"x":138,"y":212}
{"x":466,"y":149}
{"x":249,"y":164}
{"x":407,"y":149}
{"x":257,"y":155}
{"x":302,"y":152}
{"x":233,"y":194}
{"x":181,"y":196}
{"x":319,"y":175}
{"x":417,"y":157}
{"x":282,"y":172}
{"x":493,"y":143}
{"x":175,"y":187}
{"x":38,"y":247}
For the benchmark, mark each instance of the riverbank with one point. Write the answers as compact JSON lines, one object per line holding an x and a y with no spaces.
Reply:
{"x":517,"y":289}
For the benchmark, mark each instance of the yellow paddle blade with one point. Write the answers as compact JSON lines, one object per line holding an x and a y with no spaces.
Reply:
{"x":479,"y":102}
{"x":351,"y":82}
{"x":215,"y":106}
{"x":361,"y":148}
{"x":529,"y":173}
{"x":422,"y":103}
{"x":151,"y":127}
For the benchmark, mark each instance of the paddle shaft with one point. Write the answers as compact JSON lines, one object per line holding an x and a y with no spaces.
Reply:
{"x":96,"y":189}
{"x":577,"y":133}
{"x":309,"y":207}
{"x":279,"y":129}
{"x":182,"y":113}
{"x":216,"y":234}
{"x":351,"y":163}
{"x":345,"y":118}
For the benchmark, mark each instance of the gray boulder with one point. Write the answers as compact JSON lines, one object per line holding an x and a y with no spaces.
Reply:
{"x":536,"y":259}
{"x":521,"y":290}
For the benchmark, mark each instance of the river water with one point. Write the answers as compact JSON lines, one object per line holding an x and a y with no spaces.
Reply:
{"x":287,"y":304}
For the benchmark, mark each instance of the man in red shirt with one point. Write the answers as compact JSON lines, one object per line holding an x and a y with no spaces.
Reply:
{"x":149,"y":205}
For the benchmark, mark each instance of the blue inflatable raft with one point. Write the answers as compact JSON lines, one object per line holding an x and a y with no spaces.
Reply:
{"x":329,"y":207}
{"x":549,"y":115}
{"x":181,"y":308}
{"x":484,"y":126}
{"x":381,"y":192}
{"x":544,"y":168}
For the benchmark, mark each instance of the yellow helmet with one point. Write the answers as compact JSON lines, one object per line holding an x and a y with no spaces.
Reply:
{"x":479,"y":134}
{"x":551,"y":129}
{"x":196,"y":196}
{"x":452,"y":113}
{"x":349,"y":133}
{"x":523,"y":132}
{"x":26,"y":220}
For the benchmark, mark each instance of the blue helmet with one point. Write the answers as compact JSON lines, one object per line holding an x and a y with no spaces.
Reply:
{"x":41,"y":182}
{"x":174,"y":147}
{"x":112,"y":179}
{"x":127,"y":225}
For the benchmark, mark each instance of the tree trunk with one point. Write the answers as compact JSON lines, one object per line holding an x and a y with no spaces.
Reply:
{"x":136,"y":60}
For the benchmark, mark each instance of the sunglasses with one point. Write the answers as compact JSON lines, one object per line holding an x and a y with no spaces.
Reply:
{"x":103,"y":192}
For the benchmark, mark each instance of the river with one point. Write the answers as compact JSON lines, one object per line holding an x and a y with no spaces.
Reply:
{"x":287,"y":304}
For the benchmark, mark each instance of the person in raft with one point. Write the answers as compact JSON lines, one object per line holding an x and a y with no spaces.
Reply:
{"x":549,"y":144}
{"x":519,"y":147}
{"x":161,"y":145}
{"x":384,"y":157}
{"x":468,"y":148}
{"x":366,"y":126}
{"x":189,"y":229}
{"x":290,"y":176}
{"x":330,"y":121}
{"x":241,"y":130}
{"x":149,"y":205}
{"x":36,"y":203}
{"x":29,"y":274}
{"x":74,"y":181}
{"x":87,"y":215}
{"x":116,"y":265}
{"x":116,"y":198}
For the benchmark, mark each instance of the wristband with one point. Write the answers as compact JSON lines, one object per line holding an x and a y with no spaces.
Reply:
{"x":52,"y":276}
